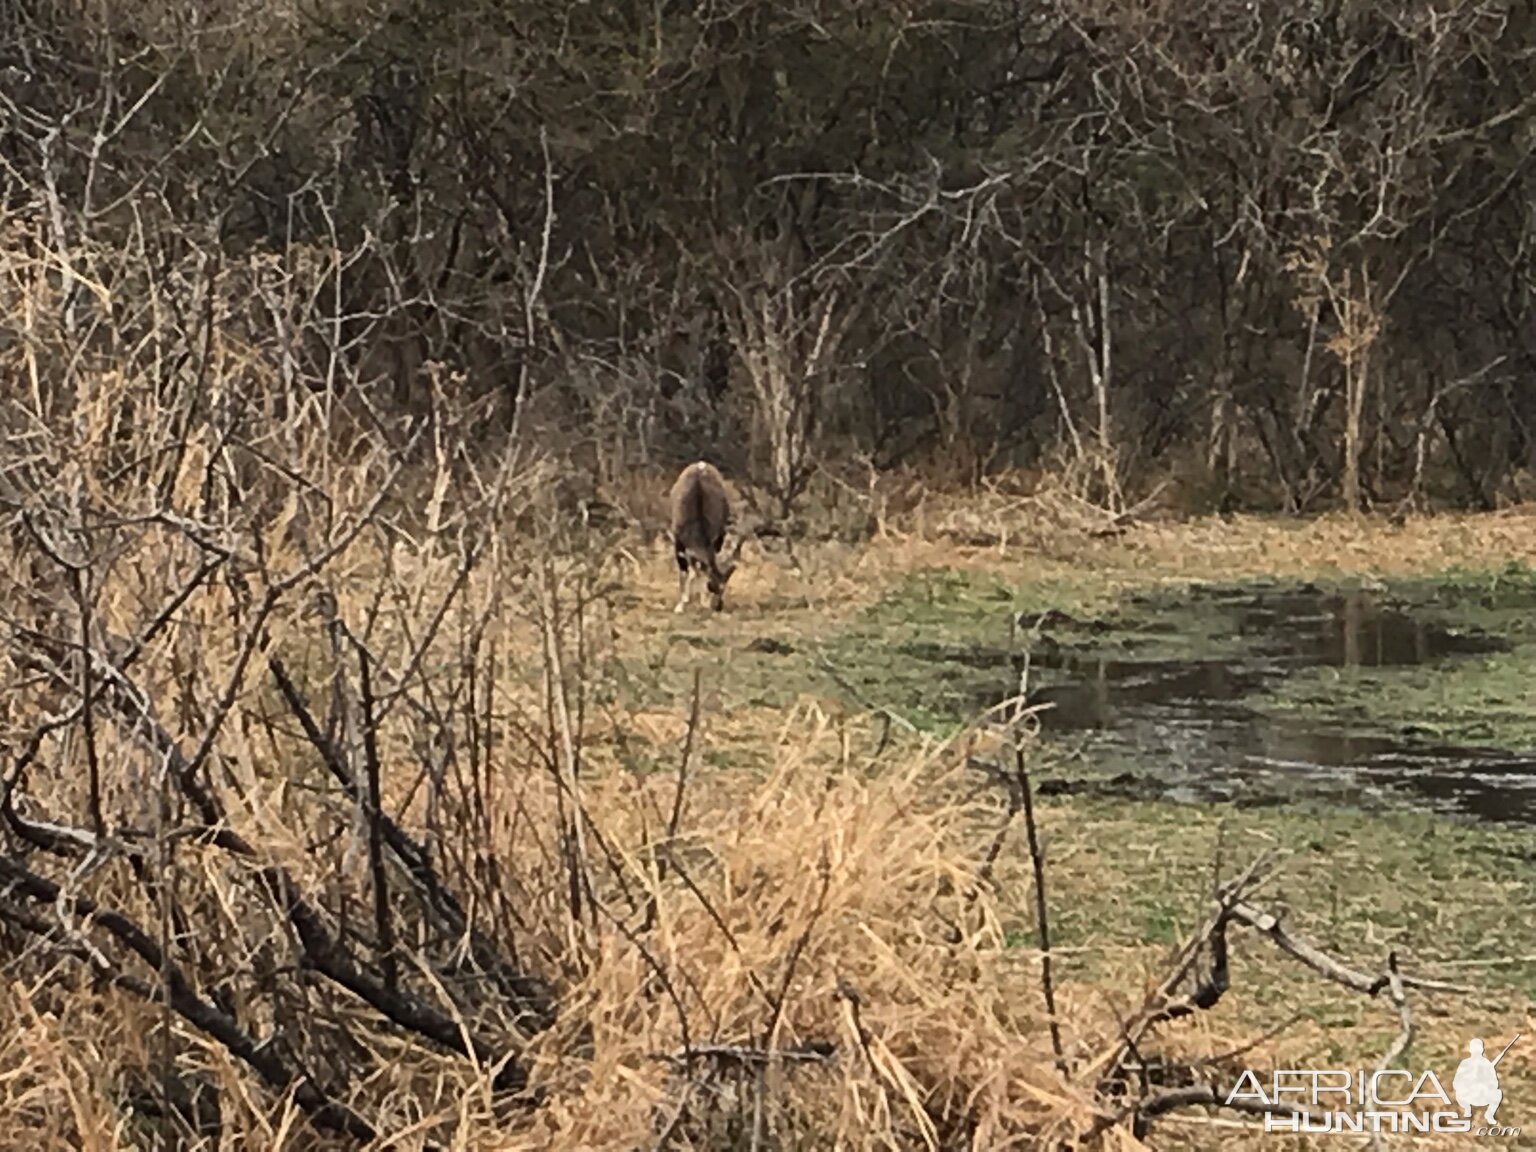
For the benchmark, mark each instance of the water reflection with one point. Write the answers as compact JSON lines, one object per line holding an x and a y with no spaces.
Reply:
{"x":1193,"y":724}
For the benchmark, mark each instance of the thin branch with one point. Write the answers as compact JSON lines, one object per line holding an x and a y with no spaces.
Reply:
{"x":1404,"y":1035}
{"x":383,"y":924}
{"x":1042,"y":919}
{"x":1325,"y":965}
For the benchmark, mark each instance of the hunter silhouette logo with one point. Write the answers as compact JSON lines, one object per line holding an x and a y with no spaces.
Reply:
{"x":1476,"y":1083}
{"x":1319,"y":1100}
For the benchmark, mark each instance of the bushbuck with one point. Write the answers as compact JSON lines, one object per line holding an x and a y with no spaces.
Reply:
{"x":700,"y":514}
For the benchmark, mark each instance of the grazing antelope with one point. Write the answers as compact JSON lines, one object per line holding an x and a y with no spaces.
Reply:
{"x":700,"y":514}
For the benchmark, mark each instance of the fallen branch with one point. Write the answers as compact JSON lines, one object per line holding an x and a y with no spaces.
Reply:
{"x":1209,"y":1096}
{"x":1162,"y":1005}
{"x":1212,"y":937}
{"x":1325,"y":965}
{"x":1404,"y":1035}
{"x":174,"y":990}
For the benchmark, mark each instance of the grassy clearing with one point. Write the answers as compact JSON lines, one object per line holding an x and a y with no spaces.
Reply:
{"x":1129,"y":879}
{"x":804,"y":877}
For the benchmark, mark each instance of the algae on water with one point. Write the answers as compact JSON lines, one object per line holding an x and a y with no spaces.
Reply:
{"x":1421,"y":692}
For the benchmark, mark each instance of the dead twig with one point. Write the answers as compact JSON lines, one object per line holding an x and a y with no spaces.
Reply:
{"x":1161,"y":1005}
{"x":1325,"y":965}
{"x":1042,"y":919}
{"x":1404,"y":1035}
{"x":751,"y":1055}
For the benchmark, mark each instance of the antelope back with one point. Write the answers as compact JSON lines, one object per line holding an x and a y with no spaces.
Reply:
{"x":700,"y":509}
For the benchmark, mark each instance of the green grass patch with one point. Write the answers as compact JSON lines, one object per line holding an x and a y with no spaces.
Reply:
{"x":1481,"y":700}
{"x":1449,"y":897}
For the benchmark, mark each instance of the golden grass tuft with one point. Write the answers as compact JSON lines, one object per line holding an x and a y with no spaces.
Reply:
{"x":838,"y":890}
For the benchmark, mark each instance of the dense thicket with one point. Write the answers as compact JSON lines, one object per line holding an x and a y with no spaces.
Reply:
{"x":1283,"y":247}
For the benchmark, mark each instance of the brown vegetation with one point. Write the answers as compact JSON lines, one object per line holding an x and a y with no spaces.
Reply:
{"x":345,"y":354}
{"x":1281,"y":254}
{"x":340,"y":767}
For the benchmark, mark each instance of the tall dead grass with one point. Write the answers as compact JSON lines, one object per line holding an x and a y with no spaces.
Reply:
{"x":313,"y":829}
{"x":317,"y":825}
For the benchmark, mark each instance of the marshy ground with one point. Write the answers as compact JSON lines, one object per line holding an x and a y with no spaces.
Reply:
{"x":1358,"y":696}
{"x":788,"y":829}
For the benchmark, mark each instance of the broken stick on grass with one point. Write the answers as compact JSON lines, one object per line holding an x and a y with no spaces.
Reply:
{"x":1232,"y":907}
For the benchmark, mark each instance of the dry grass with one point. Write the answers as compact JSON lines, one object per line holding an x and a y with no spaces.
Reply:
{"x":189,"y":833}
{"x":825,"y":904}
{"x":563,"y":925}
{"x":782,"y":897}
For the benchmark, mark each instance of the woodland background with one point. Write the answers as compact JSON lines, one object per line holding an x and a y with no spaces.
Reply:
{"x":1281,"y":251}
